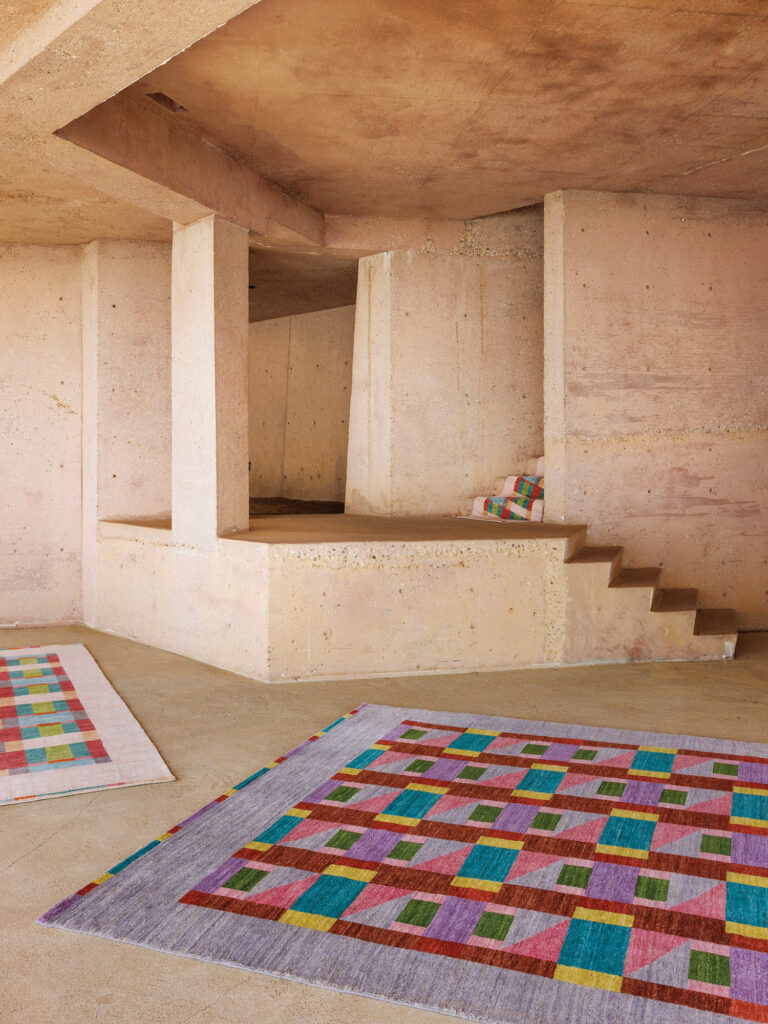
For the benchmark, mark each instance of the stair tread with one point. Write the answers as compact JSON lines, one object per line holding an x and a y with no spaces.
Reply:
{"x":641,"y":577}
{"x":675,"y":599}
{"x":595,"y":554}
{"x":715,"y":622}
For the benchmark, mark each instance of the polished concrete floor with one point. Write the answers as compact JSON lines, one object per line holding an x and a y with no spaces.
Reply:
{"x":213,"y":728}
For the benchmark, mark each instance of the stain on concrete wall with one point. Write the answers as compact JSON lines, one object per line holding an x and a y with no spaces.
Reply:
{"x":40,"y":425}
{"x":656,"y":407}
{"x":300,"y":375}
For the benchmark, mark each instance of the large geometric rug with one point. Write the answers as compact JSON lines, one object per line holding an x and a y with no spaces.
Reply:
{"x":63,"y":729}
{"x":491,"y":868}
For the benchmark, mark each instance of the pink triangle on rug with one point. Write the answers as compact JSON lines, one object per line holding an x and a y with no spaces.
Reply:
{"x":572,"y":780}
{"x":284,"y":895}
{"x":446,"y":863}
{"x":449,"y":803}
{"x":390,"y":756}
{"x":527,"y":862}
{"x":544,"y":946}
{"x":376,"y":803}
{"x":720,"y":805}
{"x":373,"y":896}
{"x":311,"y":827}
{"x":620,"y":761}
{"x":645,"y":947}
{"x":438,"y":741}
{"x":502,"y":742}
{"x":588,"y":832}
{"x":709,"y":904}
{"x":666,"y":833}
{"x":683,"y":761}
{"x":508,"y":781}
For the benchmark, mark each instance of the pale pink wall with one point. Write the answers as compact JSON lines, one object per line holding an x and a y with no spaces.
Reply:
{"x":300,"y":375}
{"x":656,"y":386}
{"x":447,"y":373}
{"x":126,"y":390}
{"x":40,"y":423}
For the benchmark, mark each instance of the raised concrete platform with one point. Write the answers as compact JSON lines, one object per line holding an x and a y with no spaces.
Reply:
{"x":321,"y":597}
{"x":330,"y":529}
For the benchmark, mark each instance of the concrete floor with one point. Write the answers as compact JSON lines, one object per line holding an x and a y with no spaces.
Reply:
{"x":214,"y":728}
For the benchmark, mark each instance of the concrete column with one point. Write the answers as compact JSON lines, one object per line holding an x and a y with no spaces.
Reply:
{"x":210,"y":381}
{"x":126,"y":436}
{"x":555,"y":391}
{"x":446,"y":382}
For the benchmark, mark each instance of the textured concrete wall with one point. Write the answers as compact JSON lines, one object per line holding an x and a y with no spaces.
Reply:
{"x":657,"y":386}
{"x":300,"y":373}
{"x":40,"y":422}
{"x":447,"y":376}
{"x":126,"y":389}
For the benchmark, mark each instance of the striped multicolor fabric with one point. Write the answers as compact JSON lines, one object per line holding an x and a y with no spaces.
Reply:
{"x":531,"y":509}
{"x":523,"y":487}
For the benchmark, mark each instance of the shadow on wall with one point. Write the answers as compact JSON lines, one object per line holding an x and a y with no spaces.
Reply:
{"x":300,"y":376}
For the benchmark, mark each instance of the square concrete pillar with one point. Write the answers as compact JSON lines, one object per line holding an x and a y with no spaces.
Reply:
{"x":446,"y":380}
{"x":209,"y":325}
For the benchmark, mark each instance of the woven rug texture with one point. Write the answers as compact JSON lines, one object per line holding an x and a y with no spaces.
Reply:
{"x":496,"y":869}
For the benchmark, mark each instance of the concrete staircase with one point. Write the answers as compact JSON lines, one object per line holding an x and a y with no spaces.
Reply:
{"x":618,"y":613}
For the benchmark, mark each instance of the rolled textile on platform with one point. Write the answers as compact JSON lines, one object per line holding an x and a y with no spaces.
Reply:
{"x":523,"y":486}
{"x":500,"y":507}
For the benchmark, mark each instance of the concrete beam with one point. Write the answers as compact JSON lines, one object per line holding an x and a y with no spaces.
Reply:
{"x":166,"y":148}
{"x":76,"y":55}
{"x":365,"y":236}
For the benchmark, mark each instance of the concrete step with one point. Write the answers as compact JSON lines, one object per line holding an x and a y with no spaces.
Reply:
{"x":643,"y":577}
{"x":590,"y":554}
{"x":715,"y":622}
{"x":675,"y":599}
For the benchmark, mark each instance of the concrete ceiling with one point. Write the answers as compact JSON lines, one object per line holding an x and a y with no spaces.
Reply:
{"x":288,"y":283}
{"x":367,"y":111}
{"x":455,"y":110}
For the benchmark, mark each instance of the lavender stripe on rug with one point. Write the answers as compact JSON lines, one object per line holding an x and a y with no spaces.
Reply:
{"x":496,"y":869}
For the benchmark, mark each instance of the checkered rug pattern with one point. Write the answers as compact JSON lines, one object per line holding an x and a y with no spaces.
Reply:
{"x":43,"y":723}
{"x":63,"y":728}
{"x":596,"y":878}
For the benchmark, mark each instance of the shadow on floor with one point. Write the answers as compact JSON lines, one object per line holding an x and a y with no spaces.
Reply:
{"x":293,"y":506}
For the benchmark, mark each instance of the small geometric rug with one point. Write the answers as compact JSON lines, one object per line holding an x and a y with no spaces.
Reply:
{"x":63,"y":729}
{"x":496,"y":869}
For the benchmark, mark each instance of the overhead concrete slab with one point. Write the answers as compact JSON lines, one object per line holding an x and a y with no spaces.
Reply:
{"x":421,"y":108}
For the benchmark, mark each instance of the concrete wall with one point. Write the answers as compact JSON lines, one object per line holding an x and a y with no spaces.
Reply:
{"x":126,"y":389}
{"x":300,"y":374}
{"x":447,"y":377}
{"x":656,"y":388}
{"x":40,"y":422}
